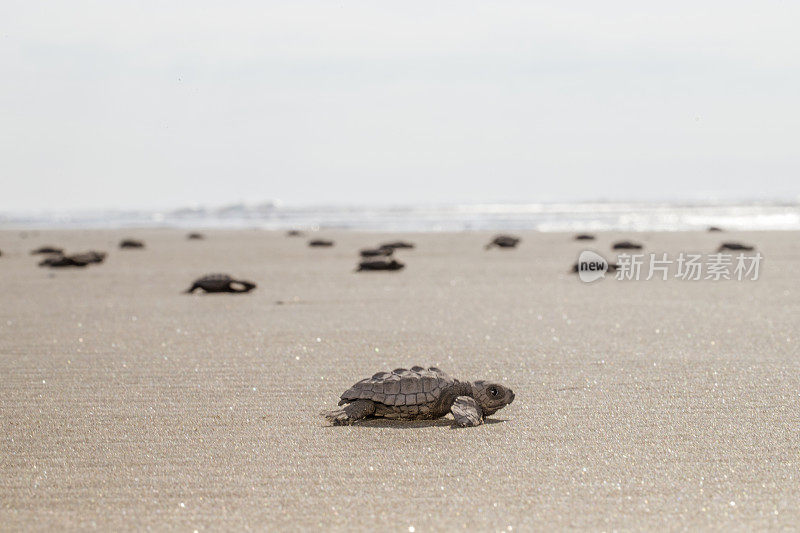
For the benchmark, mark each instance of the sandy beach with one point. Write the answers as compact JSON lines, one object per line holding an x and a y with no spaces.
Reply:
{"x":125,"y":404}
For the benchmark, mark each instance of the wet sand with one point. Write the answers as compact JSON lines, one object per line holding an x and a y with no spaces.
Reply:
{"x":125,"y":404}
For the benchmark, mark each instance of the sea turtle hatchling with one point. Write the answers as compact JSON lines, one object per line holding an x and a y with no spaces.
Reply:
{"x":46,"y":250}
{"x":380,"y":264}
{"x":131,"y":243}
{"x":221,"y":283}
{"x":376,"y":252}
{"x":626,"y":245}
{"x":420,"y":394}
{"x":735,"y":246}
{"x":504,"y":241}
{"x":74,"y":260}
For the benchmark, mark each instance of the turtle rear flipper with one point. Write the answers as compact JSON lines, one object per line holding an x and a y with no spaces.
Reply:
{"x":351,"y":412}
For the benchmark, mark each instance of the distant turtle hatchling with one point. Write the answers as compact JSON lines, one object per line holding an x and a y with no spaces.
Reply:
{"x":74,"y":260}
{"x":47,"y":250}
{"x":420,"y":394}
{"x":504,"y":241}
{"x":735,"y":247}
{"x":626,"y":245}
{"x":380,"y":264}
{"x":376,"y":252}
{"x":395,"y":245}
{"x":131,"y":243}
{"x":221,"y":283}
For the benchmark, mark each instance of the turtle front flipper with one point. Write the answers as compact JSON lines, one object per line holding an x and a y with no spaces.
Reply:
{"x":467,"y":412}
{"x":241,"y":286}
{"x":351,"y":412}
{"x":191,"y":289}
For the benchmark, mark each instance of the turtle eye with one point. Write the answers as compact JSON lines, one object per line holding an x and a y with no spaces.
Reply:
{"x":493,"y":391}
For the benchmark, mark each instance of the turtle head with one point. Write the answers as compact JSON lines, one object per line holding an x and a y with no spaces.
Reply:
{"x":491,"y":396}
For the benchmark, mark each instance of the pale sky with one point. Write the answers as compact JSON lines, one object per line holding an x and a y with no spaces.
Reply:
{"x":160,"y":104}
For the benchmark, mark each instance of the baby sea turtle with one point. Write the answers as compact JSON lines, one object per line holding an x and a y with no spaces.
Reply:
{"x":47,"y":250}
{"x":320,"y":242}
{"x":294,"y":233}
{"x":376,"y":252}
{"x":221,"y":283}
{"x":627,"y":245}
{"x":131,"y":243}
{"x":58,"y":261}
{"x":736,"y":247}
{"x":584,"y":237}
{"x":74,"y":260}
{"x":90,"y":257}
{"x":380,"y":264}
{"x":420,"y":394}
{"x":394,"y":245}
{"x":504,"y":241}
{"x":195,"y":236}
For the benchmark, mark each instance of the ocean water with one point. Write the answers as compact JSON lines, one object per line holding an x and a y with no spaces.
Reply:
{"x":600,"y":216}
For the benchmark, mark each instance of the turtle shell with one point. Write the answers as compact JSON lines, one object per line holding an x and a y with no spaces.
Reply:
{"x":417,"y":386}
{"x":214,"y":282}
